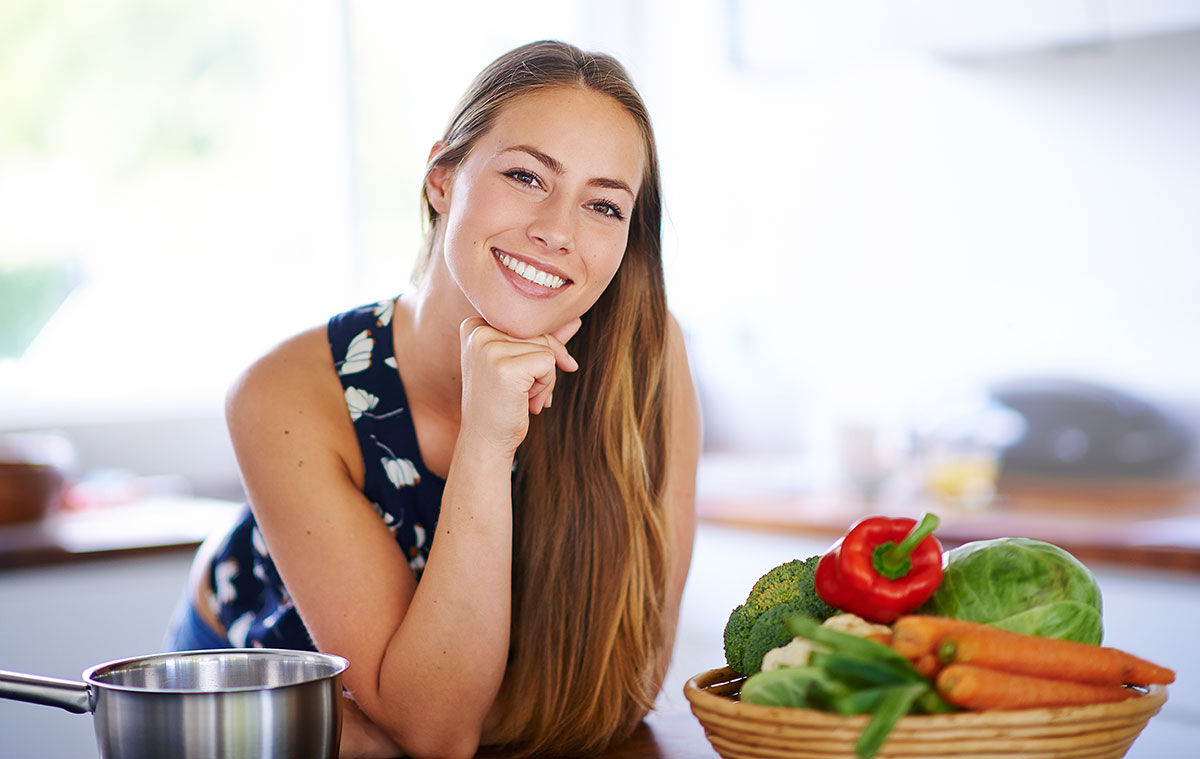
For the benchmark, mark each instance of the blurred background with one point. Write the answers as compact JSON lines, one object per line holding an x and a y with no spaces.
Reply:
{"x":925,"y":252}
{"x":875,"y":210}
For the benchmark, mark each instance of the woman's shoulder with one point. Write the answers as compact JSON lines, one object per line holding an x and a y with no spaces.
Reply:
{"x":294,"y":377}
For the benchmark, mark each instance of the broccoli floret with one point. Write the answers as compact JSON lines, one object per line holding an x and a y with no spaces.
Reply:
{"x":789,"y":582}
{"x":737,"y":629}
{"x":770,"y":631}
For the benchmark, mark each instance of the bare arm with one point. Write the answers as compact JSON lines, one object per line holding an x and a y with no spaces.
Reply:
{"x":685,"y":439}
{"x":427,"y":660}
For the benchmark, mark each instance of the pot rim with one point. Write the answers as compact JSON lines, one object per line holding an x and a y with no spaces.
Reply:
{"x":339,"y":665}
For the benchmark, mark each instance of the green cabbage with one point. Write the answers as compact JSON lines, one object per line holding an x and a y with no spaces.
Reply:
{"x":1021,"y":584}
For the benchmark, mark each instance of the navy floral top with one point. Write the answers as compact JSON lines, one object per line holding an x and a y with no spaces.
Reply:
{"x":252,"y":602}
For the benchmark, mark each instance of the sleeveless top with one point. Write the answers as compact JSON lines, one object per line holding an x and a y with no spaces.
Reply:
{"x":252,"y":602}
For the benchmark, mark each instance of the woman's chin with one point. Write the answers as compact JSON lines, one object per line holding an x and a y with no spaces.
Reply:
{"x":521,"y":327}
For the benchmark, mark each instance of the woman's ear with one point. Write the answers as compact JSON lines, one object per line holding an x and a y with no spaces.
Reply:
{"x":437,"y":182}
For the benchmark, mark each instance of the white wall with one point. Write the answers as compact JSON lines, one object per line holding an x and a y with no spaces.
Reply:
{"x":849,"y":240}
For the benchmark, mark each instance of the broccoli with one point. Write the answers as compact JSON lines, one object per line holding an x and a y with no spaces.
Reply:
{"x":737,"y":629}
{"x":789,"y":582}
{"x":770,"y":631}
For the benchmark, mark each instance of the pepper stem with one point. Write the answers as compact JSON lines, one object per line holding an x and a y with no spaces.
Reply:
{"x":892,"y":559}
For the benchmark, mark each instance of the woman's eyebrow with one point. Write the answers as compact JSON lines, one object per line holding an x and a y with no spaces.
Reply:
{"x":547,"y":160}
{"x":557,"y":167}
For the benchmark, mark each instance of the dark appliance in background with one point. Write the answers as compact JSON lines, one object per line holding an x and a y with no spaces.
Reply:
{"x":1084,"y":430}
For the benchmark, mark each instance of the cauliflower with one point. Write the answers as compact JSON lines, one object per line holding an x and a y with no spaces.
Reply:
{"x":856,"y":625}
{"x":794,"y":654}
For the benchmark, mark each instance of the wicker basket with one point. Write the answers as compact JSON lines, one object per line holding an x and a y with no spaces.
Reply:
{"x":739,"y":730}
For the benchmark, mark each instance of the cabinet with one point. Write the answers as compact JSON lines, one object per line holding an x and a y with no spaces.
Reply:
{"x":59,"y":620}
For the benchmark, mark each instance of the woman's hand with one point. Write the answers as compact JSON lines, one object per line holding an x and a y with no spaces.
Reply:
{"x":505,"y":379}
{"x":361,"y":738}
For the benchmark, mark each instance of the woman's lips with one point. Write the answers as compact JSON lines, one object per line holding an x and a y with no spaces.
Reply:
{"x":523,"y":271}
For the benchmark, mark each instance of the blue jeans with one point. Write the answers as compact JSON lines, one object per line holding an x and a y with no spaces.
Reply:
{"x":188,"y":632}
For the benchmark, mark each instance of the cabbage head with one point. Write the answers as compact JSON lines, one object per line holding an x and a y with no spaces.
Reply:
{"x":1020,"y":584}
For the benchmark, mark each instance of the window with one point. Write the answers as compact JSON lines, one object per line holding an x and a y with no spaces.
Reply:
{"x":174,"y":184}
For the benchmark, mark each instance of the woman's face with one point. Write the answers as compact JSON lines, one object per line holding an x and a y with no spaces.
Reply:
{"x":537,"y":215}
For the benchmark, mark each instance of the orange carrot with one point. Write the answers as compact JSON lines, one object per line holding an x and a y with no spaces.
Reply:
{"x":927,"y":664}
{"x":979,"y":688}
{"x":880,"y":637}
{"x":915,"y":635}
{"x":999,"y":649}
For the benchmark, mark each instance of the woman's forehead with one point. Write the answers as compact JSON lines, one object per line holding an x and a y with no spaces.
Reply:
{"x":581,"y":130}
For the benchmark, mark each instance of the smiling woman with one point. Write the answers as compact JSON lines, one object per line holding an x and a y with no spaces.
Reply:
{"x":492,"y":527}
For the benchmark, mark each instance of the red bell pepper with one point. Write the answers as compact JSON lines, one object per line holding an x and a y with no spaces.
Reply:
{"x":882,"y":567}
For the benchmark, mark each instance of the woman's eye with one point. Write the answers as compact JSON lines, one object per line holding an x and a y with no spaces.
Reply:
{"x":607,"y":209}
{"x":524,"y":177}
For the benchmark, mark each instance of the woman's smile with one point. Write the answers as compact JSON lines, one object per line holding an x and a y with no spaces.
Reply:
{"x":544,"y":277}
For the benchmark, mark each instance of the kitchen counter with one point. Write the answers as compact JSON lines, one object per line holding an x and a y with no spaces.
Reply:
{"x":67,"y":622}
{"x":669,"y":732}
{"x":1147,"y":524}
{"x":148,"y":526}
{"x":1139,"y":524}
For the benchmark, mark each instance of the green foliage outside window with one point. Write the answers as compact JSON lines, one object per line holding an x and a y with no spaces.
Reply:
{"x":99,"y":101}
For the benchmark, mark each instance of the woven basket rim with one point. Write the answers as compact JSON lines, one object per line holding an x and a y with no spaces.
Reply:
{"x":698,"y":691}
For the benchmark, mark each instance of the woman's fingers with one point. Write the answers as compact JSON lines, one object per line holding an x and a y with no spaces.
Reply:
{"x":562,"y":357}
{"x":499,"y":370}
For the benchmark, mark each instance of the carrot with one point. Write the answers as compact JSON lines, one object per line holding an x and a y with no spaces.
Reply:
{"x":979,"y":688}
{"x":915,"y":635}
{"x":1018,"y":653}
{"x":927,"y":664}
{"x":879,"y":637}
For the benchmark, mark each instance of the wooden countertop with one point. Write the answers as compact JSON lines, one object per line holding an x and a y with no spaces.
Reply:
{"x":670,"y":732}
{"x":1152,"y":524}
{"x":1147,"y":524}
{"x":149,"y":525}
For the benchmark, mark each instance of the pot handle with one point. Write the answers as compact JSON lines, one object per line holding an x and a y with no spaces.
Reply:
{"x":74,"y":696}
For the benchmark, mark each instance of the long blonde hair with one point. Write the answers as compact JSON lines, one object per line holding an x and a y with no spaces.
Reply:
{"x":590,"y":550}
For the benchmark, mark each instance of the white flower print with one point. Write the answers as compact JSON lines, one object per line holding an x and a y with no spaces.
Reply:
{"x":417,"y":563}
{"x":225,"y":571}
{"x":359,"y":402}
{"x":383,"y":312}
{"x":358,"y":354}
{"x":419,"y":533}
{"x":240,"y":629}
{"x":391,"y":362}
{"x":256,"y":539}
{"x":391,"y":521}
{"x":276,"y":615}
{"x":401,"y":472}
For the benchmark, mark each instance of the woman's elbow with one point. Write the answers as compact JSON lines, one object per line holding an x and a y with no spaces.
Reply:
{"x":459,"y":742}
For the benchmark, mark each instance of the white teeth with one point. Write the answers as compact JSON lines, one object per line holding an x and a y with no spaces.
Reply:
{"x":530,"y":273}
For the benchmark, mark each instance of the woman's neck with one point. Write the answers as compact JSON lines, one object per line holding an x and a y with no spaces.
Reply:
{"x":431,"y":364}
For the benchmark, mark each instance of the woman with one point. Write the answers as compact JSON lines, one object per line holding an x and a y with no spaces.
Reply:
{"x":492,"y":527}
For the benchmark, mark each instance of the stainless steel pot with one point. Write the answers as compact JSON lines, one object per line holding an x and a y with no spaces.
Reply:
{"x":242,"y":702}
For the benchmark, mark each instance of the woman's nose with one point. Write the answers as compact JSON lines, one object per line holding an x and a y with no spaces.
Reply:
{"x":551,"y":225}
